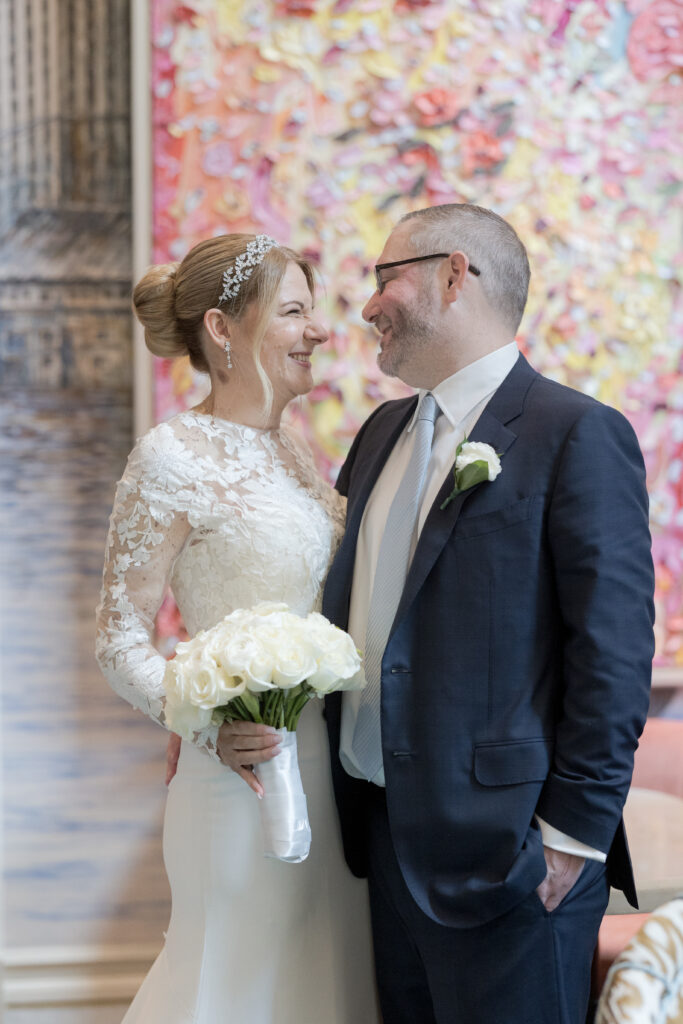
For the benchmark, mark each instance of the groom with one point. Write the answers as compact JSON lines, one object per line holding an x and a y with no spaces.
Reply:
{"x":507,"y":630}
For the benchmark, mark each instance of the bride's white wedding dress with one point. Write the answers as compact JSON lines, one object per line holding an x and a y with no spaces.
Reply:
{"x":231,"y":516}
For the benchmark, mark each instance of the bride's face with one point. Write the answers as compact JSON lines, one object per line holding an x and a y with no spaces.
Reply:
{"x":291,"y":337}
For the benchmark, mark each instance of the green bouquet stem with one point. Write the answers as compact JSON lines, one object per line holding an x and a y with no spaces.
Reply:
{"x":272,"y":708}
{"x":236,"y":711}
{"x":295,"y":704}
{"x":278,"y":708}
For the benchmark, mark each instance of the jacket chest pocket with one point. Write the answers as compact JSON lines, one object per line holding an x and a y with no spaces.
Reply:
{"x":499,"y":519}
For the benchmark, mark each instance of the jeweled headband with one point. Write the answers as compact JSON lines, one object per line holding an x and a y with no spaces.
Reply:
{"x":243,"y":267}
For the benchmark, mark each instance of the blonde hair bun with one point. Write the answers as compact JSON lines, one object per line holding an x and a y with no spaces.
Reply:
{"x":155,"y":307}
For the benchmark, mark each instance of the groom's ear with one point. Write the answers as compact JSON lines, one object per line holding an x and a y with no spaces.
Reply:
{"x":457,"y":273}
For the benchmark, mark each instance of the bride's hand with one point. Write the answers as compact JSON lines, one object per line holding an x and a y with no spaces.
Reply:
{"x":172,"y":755}
{"x":241,"y":745}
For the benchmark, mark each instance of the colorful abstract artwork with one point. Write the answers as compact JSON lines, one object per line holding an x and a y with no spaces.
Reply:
{"x":321,"y":122}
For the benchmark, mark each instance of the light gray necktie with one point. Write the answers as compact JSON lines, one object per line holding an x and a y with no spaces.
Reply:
{"x":390,"y":577}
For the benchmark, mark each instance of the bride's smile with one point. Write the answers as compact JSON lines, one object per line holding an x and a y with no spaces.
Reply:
{"x":280,"y":360}
{"x":291,"y":338}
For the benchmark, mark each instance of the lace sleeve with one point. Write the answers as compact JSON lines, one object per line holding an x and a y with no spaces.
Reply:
{"x":149,"y":526}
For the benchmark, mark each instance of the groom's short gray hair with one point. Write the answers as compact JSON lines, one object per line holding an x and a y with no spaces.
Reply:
{"x":488,"y":241}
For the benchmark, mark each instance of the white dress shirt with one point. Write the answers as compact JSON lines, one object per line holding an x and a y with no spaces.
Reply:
{"x":462,"y":399}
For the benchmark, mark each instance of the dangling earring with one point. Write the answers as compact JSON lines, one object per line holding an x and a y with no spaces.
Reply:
{"x":228,"y":353}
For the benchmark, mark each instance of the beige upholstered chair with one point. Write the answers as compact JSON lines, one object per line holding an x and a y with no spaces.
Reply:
{"x":658,"y":765}
{"x":645,"y":983}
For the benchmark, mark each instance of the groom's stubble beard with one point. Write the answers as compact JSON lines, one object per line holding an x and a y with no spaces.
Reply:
{"x":412,"y":331}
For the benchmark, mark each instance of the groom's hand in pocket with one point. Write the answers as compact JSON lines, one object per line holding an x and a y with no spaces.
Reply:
{"x":563,"y":870}
{"x":241,"y":745}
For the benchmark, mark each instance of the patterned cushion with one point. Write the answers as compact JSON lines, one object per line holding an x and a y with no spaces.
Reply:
{"x":645,"y":983}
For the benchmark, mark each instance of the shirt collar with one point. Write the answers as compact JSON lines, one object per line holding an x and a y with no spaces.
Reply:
{"x":458,"y":394}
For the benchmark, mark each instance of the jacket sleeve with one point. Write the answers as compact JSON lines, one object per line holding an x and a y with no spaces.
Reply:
{"x":601,"y":550}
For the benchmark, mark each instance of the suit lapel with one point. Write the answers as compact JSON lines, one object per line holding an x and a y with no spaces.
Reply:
{"x":382,"y":439}
{"x":505,"y":405}
{"x":393,"y":423}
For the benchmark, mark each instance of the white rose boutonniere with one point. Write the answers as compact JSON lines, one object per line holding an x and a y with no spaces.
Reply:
{"x":475,"y":462}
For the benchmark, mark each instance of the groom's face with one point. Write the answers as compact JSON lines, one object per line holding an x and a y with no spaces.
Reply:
{"x":404,"y":312}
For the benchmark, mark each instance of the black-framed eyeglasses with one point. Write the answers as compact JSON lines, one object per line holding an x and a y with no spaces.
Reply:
{"x":379,"y":267}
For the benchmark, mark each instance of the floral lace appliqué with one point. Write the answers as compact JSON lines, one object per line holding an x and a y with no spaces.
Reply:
{"x":225,"y":514}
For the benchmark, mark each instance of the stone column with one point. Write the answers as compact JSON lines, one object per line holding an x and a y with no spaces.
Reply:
{"x":84,"y":892}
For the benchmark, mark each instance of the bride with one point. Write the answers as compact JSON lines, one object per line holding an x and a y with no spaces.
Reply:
{"x":225,"y":504}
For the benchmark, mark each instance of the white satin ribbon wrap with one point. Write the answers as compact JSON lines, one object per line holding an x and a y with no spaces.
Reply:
{"x":284,"y":815}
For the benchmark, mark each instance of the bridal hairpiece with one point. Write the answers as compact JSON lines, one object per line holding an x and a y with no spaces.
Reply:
{"x":243,"y":267}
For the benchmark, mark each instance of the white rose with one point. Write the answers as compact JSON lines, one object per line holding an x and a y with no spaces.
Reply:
{"x":330,"y":677}
{"x":186,"y":719}
{"x":259,"y":669}
{"x":222,"y":633}
{"x":232,"y":623}
{"x":477,"y":451}
{"x":186,"y":648}
{"x":175,"y":685}
{"x":248,"y":659}
{"x":208,"y":684}
{"x":189,"y":660}
{"x":338,"y":660}
{"x":293,"y":659}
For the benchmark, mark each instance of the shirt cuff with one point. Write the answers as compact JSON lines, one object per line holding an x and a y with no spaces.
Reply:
{"x":556,"y":840}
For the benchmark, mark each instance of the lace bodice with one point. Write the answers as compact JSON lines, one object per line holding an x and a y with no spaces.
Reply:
{"x":229,"y":516}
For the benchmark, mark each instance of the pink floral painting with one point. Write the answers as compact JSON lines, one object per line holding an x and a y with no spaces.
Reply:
{"x":321,"y":122}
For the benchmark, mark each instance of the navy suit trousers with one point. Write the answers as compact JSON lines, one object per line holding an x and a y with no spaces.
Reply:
{"x":527,"y":966}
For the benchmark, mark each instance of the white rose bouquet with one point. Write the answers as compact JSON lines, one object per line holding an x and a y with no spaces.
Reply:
{"x":263,"y":664}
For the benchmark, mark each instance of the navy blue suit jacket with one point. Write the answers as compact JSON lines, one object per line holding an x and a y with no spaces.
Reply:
{"x":516,"y":677}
